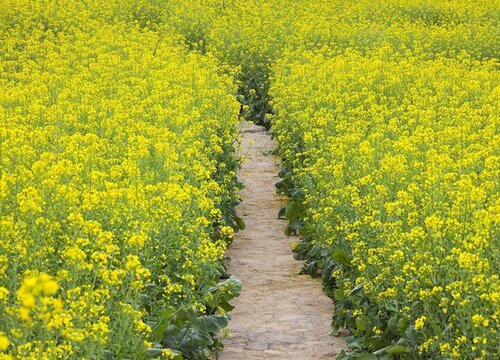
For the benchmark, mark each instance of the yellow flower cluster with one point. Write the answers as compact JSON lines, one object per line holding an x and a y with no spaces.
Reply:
{"x":111,"y":138}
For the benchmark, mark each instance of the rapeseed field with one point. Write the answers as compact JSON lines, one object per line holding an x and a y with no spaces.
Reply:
{"x":118,"y":170}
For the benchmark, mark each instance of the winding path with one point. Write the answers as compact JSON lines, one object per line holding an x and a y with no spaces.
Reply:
{"x":279,"y":314}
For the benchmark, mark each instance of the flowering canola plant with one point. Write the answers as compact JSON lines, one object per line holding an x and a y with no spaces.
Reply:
{"x":116,"y":169}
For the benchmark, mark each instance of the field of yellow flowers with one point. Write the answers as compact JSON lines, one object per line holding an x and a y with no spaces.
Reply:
{"x":394,"y":164}
{"x":386,"y":115}
{"x":115,"y":178}
{"x":118,"y":174}
{"x":391,"y":156}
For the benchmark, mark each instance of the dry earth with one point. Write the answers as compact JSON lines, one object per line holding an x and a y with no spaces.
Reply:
{"x":279,"y":314}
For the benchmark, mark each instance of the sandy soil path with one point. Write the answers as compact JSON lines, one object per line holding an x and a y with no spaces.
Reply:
{"x":279,"y":314}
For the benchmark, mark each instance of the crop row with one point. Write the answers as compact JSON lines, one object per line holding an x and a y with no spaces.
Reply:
{"x":117,"y":177}
{"x":392,"y":165}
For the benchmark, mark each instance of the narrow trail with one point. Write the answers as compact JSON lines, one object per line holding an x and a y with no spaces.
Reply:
{"x":279,"y":314}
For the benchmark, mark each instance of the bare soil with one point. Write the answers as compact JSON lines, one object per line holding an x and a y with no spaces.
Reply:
{"x":279,"y":314}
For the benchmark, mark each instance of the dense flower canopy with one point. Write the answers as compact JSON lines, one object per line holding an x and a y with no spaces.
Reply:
{"x":117,"y":169}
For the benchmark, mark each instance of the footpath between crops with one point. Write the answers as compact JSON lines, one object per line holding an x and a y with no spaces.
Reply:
{"x":279,"y":314}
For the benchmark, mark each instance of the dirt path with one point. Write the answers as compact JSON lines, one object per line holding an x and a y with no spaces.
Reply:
{"x":279,"y":314}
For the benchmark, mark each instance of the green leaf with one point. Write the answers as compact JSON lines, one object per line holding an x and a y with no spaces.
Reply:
{"x":338,"y":295}
{"x":356,"y":288}
{"x":240,"y":223}
{"x":403,"y":324}
{"x":152,"y":352}
{"x":392,"y":349}
{"x":354,"y":342}
{"x":233,"y":283}
{"x":108,"y":355}
{"x":341,"y":256}
{"x":366,"y":356}
{"x":292,"y":210}
{"x":145,"y":298}
{"x":212,"y":323}
{"x":289,"y":231}
{"x":298,"y":194}
{"x":411,"y":334}
{"x":295,"y":224}
{"x":361,"y":323}
{"x":397,"y":349}
{"x":163,"y":316}
{"x":392,"y":323}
